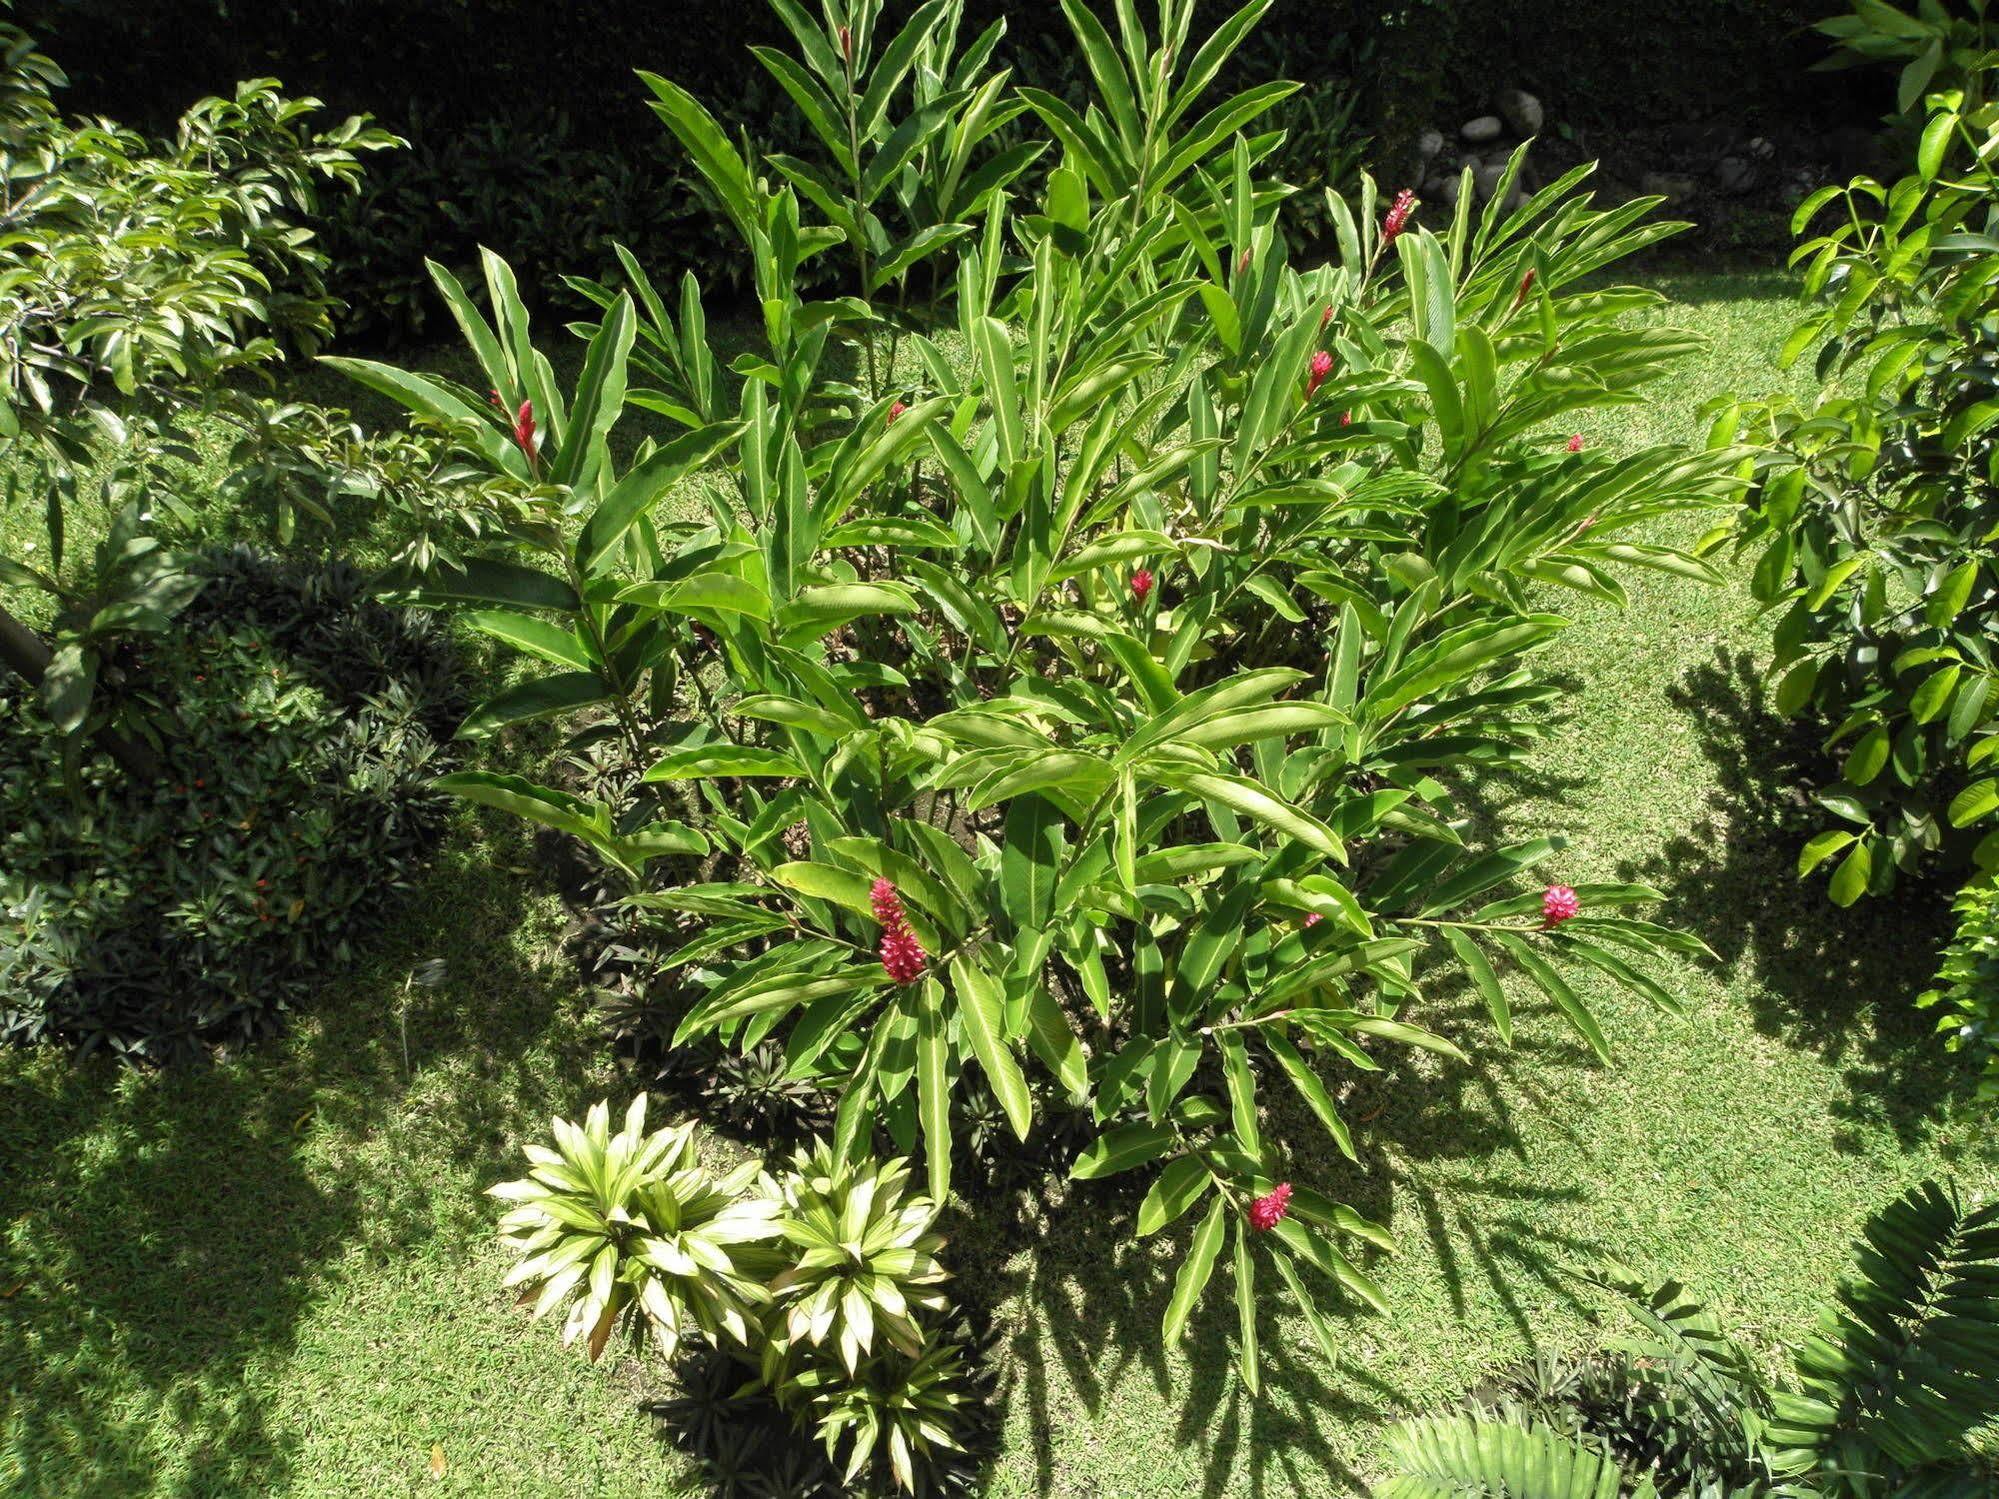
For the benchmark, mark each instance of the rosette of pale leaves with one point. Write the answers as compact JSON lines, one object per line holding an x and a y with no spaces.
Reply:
{"x":867,"y":1259}
{"x":631,"y":1228}
{"x":906,"y":1408}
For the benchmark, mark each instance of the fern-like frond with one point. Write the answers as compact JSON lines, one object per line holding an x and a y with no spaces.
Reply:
{"x":1907,"y":1365}
{"x":1472,"y":1457}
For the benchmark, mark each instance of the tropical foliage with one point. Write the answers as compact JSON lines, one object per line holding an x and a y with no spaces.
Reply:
{"x":971,"y":674}
{"x":824,"y":1281}
{"x":1871,"y":517}
{"x":1888,"y":1390}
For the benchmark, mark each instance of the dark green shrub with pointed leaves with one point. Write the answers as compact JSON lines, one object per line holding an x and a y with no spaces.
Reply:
{"x":294,"y":808}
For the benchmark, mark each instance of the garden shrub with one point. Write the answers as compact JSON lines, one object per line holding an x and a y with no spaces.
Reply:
{"x":1873,"y":510}
{"x":1889,"y":1389}
{"x":1061,"y":656}
{"x":1967,"y":983}
{"x":292,"y":808}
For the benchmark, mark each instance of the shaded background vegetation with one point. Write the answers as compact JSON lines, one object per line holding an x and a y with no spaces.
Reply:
{"x":530,"y":135}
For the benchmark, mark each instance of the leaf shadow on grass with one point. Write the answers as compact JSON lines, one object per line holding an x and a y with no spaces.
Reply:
{"x":170,"y":1230}
{"x":1839,"y":983}
{"x":1441,"y":1143}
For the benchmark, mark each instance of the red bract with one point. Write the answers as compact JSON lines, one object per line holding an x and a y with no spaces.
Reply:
{"x":1322,"y":366}
{"x":887,"y":903}
{"x":1326,"y":317}
{"x":1268,"y":1210}
{"x":1313,"y":918}
{"x":524,"y":429}
{"x":1346,"y":418}
{"x":895,"y":410}
{"x":847,"y":43}
{"x":1526,"y":285}
{"x":1141,"y":584}
{"x":901,"y":954}
{"x":1576,"y":443}
{"x":1558,"y":904}
{"x":1398,"y":217}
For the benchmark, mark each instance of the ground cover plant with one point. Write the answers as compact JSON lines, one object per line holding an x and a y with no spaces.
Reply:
{"x":826,"y":715}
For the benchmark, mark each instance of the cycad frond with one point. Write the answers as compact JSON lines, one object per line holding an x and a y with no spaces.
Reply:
{"x":1472,"y":1457}
{"x":1907,"y":1366}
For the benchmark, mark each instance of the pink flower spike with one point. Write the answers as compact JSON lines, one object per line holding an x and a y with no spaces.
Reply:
{"x":1346,"y":418}
{"x":901,"y":954}
{"x":887,"y":903}
{"x":895,"y":410}
{"x":1268,"y":1210}
{"x":1576,"y":443}
{"x":1558,"y":904}
{"x":1312,"y":919}
{"x":1141,"y":584}
{"x":1398,"y":217}
{"x":524,"y":429}
{"x":1326,"y":317}
{"x":1322,"y":366}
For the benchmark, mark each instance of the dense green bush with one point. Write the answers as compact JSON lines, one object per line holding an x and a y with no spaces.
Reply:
{"x":1889,"y":1390}
{"x":1060,"y":649}
{"x":293,"y":806}
{"x":1873,"y":511}
{"x":1967,"y":983}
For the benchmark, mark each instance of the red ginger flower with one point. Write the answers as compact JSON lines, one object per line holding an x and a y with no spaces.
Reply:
{"x":1266,"y":1212}
{"x":1326,"y":317}
{"x":895,"y":410}
{"x":524,"y":429}
{"x":1141,"y":584}
{"x":1558,"y":904}
{"x":1346,"y":418}
{"x":1322,"y":366}
{"x":902,"y":955}
{"x":1313,"y":918}
{"x":1576,"y":443}
{"x":1398,"y":217}
{"x":1526,"y":285}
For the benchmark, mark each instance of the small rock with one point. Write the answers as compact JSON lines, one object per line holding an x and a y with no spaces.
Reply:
{"x":1733,"y":174}
{"x":1671,"y":186}
{"x":1761,"y":148}
{"x":1522,"y":111}
{"x":1487,"y":180}
{"x":1484,"y":128}
{"x":1430,"y":144}
{"x":1442,"y":190}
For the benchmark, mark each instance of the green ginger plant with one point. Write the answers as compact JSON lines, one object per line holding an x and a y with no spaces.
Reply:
{"x":990,"y":684}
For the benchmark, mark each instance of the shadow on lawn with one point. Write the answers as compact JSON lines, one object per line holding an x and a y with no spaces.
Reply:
{"x":1087,"y":1300}
{"x":1841,"y":983}
{"x":167,"y":1230}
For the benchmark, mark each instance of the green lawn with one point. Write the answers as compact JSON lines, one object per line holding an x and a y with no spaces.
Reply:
{"x":275,"y":1274}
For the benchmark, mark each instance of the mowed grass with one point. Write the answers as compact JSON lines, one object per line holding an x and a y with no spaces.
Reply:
{"x":276,"y":1275}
